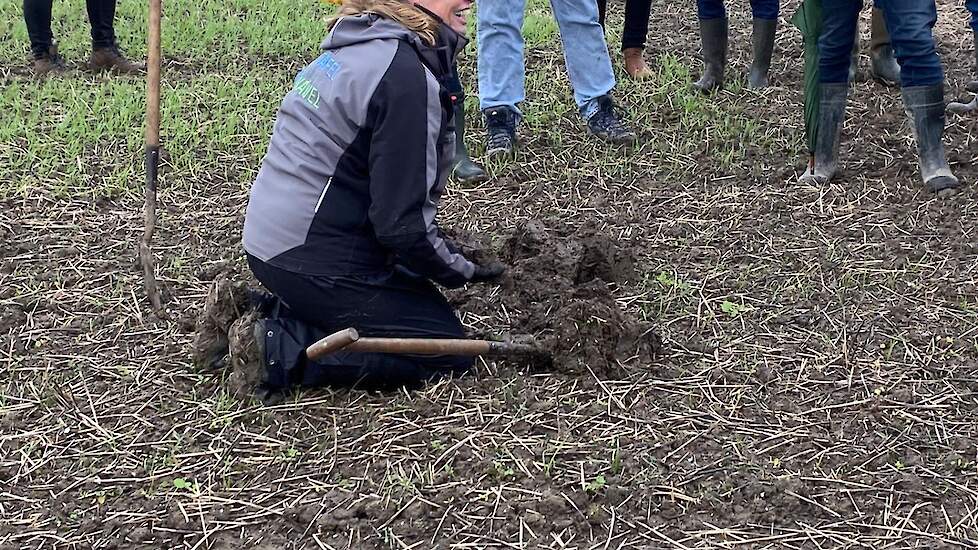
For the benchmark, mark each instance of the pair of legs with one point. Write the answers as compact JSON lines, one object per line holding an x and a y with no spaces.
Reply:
{"x":101,"y":17}
{"x":714,"y":35}
{"x":502,"y":70}
{"x":37,"y":15}
{"x":910,"y":24}
{"x":633,"y":34}
{"x":389,"y":304}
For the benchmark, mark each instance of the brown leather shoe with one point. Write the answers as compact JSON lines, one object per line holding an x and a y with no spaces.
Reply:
{"x":635,"y":64}
{"x":111,"y":59}
{"x":50,"y":62}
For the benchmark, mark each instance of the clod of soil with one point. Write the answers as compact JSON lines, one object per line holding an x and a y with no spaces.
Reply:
{"x":559,"y":289}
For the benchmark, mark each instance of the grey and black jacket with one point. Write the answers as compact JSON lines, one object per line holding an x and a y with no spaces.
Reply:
{"x":359,"y":158}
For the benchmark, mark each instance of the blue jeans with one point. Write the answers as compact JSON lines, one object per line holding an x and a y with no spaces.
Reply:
{"x":972,"y":6}
{"x":910,"y":23}
{"x":714,"y":9}
{"x":501,"y":66}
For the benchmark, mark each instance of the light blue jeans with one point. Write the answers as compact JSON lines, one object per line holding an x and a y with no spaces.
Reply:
{"x":501,"y":66}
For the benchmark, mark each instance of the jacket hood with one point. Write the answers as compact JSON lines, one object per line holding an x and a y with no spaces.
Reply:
{"x":367,"y":26}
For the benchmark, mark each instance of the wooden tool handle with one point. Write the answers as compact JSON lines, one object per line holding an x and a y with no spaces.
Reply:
{"x":348,"y":340}
{"x":331,"y":343}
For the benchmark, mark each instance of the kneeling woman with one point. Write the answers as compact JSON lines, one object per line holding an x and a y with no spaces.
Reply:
{"x":340,"y":225}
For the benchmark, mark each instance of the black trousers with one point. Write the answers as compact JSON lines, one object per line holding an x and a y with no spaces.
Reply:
{"x":37,"y":15}
{"x":636,"y":21}
{"x":392,"y":304}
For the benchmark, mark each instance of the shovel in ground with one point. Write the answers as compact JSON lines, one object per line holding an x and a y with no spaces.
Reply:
{"x":350,"y":340}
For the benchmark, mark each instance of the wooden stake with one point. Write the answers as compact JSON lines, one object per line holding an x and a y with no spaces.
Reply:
{"x":152,"y":156}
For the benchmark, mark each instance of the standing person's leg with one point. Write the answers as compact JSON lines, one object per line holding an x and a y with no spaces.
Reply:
{"x":589,"y":68}
{"x":633,"y":37}
{"x":37,"y":17}
{"x":502,"y":72}
{"x":602,"y":12}
{"x":883,"y":65}
{"x":972,"y":6}
{"x":911,"y":24}
{"x":839,"y":23}
{"x":105,"y":51}
{"x":270,"y":352}
{"x":713,"y":35}
{"x":765,"y":14}
{"x":463,"y":168}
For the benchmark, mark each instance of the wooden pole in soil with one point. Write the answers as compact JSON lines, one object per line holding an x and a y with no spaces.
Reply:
{"x":152,"y":155}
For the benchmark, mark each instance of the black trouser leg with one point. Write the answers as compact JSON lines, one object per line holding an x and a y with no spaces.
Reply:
{"x":101,"y":15}
{"x":636,"y":23}
{"x":37,"y":16}
{"x":389,"y":304}
{"x":602,"y":11}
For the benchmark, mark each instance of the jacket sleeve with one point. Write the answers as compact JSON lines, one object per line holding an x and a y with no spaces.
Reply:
{"x":403,"y":163}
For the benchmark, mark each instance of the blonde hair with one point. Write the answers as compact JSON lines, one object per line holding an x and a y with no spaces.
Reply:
{"x":401,"y":11}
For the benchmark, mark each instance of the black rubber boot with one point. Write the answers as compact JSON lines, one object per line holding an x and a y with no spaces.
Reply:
{"x":831,"y":112}
{"x":713,"y":33}
{"x":763,"y":38}
{"x":882,"y":63}
{"x":463,"y":168}
{"x":925,"y":107}
{"x":973,"y":85}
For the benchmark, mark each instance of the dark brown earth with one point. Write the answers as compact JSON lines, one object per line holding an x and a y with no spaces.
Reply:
{"x":817,"y":387}
{"x":559,"y":288}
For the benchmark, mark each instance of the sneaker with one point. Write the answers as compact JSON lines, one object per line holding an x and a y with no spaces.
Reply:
{"x":51,"y":62}
{"x":606,"y":123}
{"x":111,"y":59}
{"x":249,"y":374}
{"x":500,"y":131}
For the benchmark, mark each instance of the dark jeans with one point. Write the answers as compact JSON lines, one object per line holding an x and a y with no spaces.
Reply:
{"x":972,"y":6}
{"x":910,"y":24}
{"x":636,"y":21}
{"x":714,"y":9}
{"x":389,"y":304}
{"x":37,"y":15}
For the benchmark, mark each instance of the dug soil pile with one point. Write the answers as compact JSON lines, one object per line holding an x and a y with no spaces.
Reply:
{"x":558,"y":288}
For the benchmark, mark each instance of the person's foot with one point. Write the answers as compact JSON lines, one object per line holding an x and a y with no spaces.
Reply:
{"x":249,"y":374}
{"x":925,"y":108}
{"x":111,"y":59}
{"x":226,"y":301}
{"x":500,"y":131}
{"x":49,"y":63}
{"x":713,"y":35}
{"x":635,"y":63}
{"x":463,"y":168}
{"x":763,"y":45}
{"x":883,"y":66}
{"x":606,"y":123}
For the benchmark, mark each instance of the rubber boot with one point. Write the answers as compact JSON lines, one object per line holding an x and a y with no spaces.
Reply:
{"x":854,"y":60}
{"x":635,"y":63}
{"x":763,"y":38}
{"x":464,"y":169}
{"x":713,"y":33}
{"x":973,"y":85}
{"x":925,"y":108}
{"x":831,"y":112}
{"x":882,"y":63}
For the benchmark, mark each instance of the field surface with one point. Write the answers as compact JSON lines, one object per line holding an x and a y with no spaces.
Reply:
{"x":815,"y":387}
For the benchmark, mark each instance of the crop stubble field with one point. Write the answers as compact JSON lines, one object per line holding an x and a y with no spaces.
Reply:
{"x":815,"y":387}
